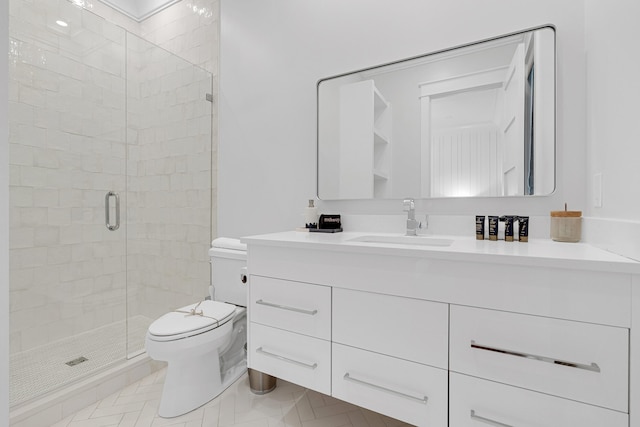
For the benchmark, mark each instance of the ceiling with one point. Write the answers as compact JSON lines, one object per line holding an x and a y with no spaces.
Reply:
{"x":139,"y":10}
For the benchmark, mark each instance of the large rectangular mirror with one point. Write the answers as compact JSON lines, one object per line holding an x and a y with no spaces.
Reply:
{"x":474,"y":121}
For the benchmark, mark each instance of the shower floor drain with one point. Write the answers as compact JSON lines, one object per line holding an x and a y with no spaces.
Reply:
{"x":76,"y":361}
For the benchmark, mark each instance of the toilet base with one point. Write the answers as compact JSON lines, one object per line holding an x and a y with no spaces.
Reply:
{"x":173,"y":405}
{"x":200,"y":367}
{"x":190,"y":383}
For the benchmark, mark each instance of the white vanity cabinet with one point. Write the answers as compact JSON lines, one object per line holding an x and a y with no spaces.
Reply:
{"x":584,"y":362}
{"x":290,"y":328}
{"x":475,"y":402}
{"x":481,"y":333}
{"x":406,"y":328}
{"x":409,"y":391}
{"x":389,"y":354}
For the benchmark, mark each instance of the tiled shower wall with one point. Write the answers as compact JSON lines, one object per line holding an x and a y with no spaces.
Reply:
{"x":67,"y":113}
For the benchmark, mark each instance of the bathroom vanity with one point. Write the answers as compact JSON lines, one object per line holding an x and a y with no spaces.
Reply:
{"x":450,"y":331}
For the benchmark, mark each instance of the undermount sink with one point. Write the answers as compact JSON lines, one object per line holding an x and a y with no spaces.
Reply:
{"x":404,"y":240}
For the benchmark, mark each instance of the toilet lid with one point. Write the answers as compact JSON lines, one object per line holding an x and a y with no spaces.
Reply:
{"x":214,"y":314}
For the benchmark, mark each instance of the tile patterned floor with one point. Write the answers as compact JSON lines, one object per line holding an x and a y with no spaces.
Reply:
{"x":288,"y":405}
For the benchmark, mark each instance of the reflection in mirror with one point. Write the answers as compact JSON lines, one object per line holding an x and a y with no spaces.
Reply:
{"x":475,"y":121}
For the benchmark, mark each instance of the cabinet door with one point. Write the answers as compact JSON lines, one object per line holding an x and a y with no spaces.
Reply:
{"x":475,"y":402}
{"x":408,"y":391}
{"x":292,"y":357}
{"x":411,"y":329}
{"x":294,"y":306}
{"x":580,"y":361}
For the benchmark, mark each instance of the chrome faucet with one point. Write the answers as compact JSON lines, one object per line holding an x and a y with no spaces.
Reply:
{"x":412,"y":225}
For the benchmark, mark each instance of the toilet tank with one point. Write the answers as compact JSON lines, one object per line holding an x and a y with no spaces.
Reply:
{"x":228,"y":266}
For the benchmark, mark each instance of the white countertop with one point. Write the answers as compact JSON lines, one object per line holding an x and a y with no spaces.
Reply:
{"x":536,"y":252}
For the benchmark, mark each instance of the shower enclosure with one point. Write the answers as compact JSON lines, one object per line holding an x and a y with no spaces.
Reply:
{"x":110,"y":192}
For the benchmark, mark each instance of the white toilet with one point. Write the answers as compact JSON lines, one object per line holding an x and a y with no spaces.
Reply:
{"x":204,"y":342}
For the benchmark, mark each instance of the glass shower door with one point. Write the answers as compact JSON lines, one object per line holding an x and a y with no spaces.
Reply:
{"x":110,"y":192}
{"x":169,"y":177}
{"x":67,"y":152}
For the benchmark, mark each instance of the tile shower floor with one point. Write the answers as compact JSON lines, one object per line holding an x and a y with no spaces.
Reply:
{"x":38,"y":371}
{"x":288,"y":405}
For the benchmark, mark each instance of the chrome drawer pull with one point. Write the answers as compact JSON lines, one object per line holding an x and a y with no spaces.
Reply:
{"x":592,"y":367}
{"x":286,"y":359}
{"x":487,"y":420}
{"x":285,"y":307}
{"x":422,"y":400}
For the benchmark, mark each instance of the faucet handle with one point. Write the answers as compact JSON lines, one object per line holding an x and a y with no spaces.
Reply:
{"x":408,"y":204}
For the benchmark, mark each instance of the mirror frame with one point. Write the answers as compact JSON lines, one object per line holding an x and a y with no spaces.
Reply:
{"x":489,"y":39}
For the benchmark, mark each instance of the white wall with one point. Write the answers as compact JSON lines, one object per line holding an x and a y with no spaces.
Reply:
{"x":4,"y":214}
{"x":613,"y":91}
{"x":274,"y":51}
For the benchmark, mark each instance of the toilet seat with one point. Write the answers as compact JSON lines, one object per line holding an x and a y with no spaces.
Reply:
{"x":182,"y":323}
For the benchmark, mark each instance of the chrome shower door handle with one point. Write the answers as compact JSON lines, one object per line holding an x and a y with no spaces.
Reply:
{"x":107,"y":211}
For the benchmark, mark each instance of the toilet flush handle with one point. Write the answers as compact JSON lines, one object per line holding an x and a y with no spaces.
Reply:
{"x":243,"y":274}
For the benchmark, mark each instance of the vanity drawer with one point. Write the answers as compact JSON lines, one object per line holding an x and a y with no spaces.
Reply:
{"x":410,"y":392}
{"x":295,"y":306}
{"x":475,"y":402}
{"x":411,"y":329}
{"x":292,"y":357}
{"x":580,"y":361}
